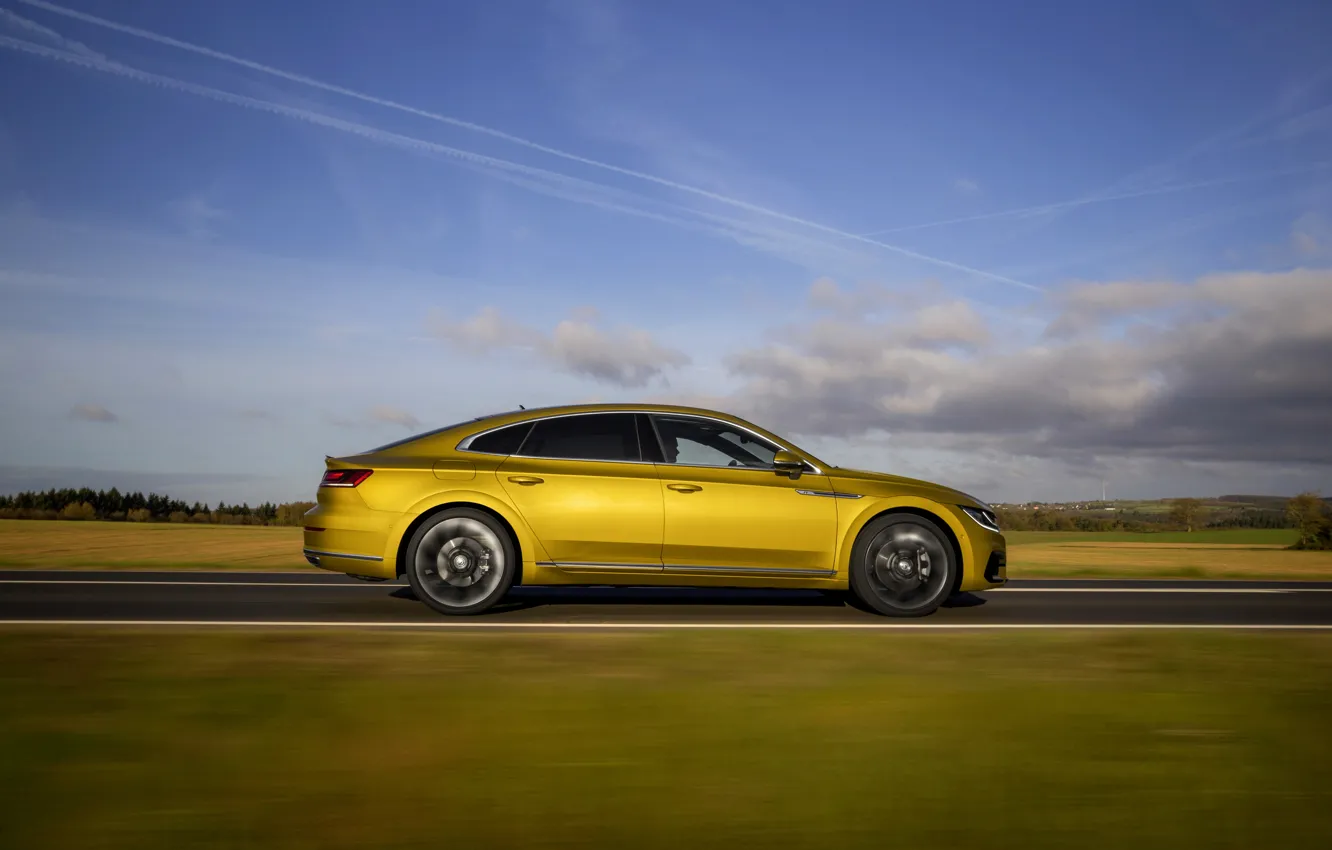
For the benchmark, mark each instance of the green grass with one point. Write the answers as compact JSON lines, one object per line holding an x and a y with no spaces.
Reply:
{"x":1234,"y":536}
{"x":773,"y":740}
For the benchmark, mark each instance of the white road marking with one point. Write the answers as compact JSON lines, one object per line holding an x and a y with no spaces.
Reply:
{"x":198,"y":583}
{"x":134,"y":582}
{"x":1147,"y":590}
{"x":453,"y":624}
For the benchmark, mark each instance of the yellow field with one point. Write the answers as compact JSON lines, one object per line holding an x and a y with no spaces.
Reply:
{"x":1183,"y":560}
{"x":120,"y":545}
{"x":31,"y":544}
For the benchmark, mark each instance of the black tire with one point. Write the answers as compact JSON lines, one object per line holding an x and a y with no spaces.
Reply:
{"x":434,"y":561}
{"x":902,"y":565}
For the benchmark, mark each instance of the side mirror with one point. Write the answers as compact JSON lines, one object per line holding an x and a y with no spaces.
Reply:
{"x":788,"y":462}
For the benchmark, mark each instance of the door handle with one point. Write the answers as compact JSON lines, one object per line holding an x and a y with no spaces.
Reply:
{"x":684,"y":488}
{"x":526,"y":480}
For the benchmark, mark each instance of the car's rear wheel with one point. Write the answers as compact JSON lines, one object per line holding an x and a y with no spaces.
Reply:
{"x":460,"y":561}
{"x":902,"y":565}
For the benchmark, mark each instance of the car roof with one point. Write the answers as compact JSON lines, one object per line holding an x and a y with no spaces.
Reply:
{"x":462,"y":430}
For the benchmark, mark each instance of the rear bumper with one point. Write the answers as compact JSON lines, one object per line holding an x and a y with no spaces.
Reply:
{"x":318,"y":556}
{"x":351,"y":541}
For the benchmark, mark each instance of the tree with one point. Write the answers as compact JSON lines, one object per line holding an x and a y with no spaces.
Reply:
{"x":1308,"y":512}
{"x":78,"y":510}
{"x":1186,"y":512}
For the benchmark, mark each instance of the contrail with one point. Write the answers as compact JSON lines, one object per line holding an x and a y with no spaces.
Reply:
{"x":1084,"y":201}
{"x":50,"y":34}
{"x":560,"y":185}
{"x":518,"y":140}
{"x":1223,"y":135}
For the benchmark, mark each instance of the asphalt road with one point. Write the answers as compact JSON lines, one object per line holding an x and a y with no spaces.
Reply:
{"x":293,"y":599}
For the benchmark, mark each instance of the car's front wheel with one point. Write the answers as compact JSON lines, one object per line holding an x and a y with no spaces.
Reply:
{"x":460,"y":561}
{"x":902,"y":565}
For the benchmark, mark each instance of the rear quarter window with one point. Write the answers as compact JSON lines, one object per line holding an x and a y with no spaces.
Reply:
{"x":501,"y":441}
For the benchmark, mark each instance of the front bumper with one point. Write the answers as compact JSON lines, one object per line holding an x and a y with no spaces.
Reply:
{"x":987,"y":559}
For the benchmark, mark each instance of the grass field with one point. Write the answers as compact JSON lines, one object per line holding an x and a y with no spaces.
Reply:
{"x":109,"y":545}
{"x":1238,"y":553}
{"x":1251,"y":553}
{"x":1232,"y":536}
{"x":202,"y":740}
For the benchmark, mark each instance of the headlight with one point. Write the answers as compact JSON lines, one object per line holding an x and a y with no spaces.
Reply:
{"x":983,"y":518}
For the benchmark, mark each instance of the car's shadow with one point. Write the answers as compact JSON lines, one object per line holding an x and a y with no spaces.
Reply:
{"x":521,"y":598}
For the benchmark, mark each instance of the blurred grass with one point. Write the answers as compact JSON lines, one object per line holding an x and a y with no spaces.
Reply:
{"x":1232,"y":536}
{"x":355,"y":740}
{"x":49,"y":544}
{"x":1164,"y":560}
{"x":1243,"y":553}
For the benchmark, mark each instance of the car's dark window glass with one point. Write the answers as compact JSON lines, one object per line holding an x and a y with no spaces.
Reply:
{"x":592,"y":436}
{"x":704,"y":442}
{"x":503,"y":441}
{"x":647,"y":440}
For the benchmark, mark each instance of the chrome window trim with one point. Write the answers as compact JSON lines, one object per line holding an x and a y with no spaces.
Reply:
{"x":467,"y":441}
{"x":686,"y":568}
{"x":319,"y":553}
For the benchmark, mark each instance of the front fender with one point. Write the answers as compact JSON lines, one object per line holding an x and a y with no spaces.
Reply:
{"x":528,"y":545}
{"x":864,"y":510}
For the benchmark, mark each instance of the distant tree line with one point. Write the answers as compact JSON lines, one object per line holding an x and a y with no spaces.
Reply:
{"x":112,"y":505}
{"x":1308,"y":512}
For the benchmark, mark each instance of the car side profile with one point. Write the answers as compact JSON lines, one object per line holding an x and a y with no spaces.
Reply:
{"x":641,"y":495}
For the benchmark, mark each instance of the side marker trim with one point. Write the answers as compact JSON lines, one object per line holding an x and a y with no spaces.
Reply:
{"x":317,"y":553}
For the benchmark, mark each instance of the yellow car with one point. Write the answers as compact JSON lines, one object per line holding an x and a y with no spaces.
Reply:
{"x":641,"y":495}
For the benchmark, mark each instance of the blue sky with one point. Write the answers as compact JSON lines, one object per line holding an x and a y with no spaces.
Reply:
{"x":363,"y":219}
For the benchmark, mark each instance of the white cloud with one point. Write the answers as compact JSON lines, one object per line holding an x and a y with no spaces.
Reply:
{"x":375,"y":416}
{"x":966,"y":186}
{"x":92,"y":413}
{"x":197,"y":215}
{"x":1235,"y":370}
{"x":394,"y":416}
{"x":626,"y":357}
{"x":1311,"y":236}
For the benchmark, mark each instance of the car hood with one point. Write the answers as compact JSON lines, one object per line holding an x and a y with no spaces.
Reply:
{"x":865,"y":483}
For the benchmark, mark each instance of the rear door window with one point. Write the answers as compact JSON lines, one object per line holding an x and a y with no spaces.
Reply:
{"x":589,"y":436}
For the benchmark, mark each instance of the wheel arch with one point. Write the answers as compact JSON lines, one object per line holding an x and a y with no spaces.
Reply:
{"x":524,"y":545}
{"x":955,"y":536}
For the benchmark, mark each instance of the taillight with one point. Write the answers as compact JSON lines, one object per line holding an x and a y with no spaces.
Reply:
{"x":344,"y":477}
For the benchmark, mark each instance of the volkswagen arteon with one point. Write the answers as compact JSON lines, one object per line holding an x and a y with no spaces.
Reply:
{"x":642,"y":495}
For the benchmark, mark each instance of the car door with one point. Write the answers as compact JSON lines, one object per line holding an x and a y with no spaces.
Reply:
{"x":581,"y":484}
{"x":727,"y":510}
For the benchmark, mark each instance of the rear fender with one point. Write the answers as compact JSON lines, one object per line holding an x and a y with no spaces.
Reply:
{"x":531,"y":548}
